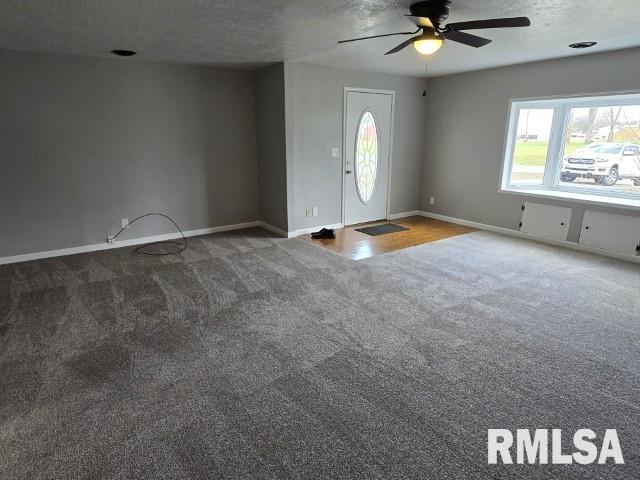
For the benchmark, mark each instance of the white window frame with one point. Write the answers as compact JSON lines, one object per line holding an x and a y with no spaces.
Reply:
{"x":551,"y":184}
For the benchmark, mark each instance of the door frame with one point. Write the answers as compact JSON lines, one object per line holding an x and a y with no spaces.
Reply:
{"x":343,"y":166}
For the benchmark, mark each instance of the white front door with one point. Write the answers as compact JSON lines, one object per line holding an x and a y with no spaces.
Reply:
{"x":367,"y":152}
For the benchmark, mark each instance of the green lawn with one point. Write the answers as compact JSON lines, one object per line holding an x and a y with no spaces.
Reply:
{"x":535,"y":153}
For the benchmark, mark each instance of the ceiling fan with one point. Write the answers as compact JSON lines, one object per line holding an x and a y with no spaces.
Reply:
{"x":428,"y":16}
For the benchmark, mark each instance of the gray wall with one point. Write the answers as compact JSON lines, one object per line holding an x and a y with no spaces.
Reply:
{"x":87,"y":141}
{"x":467,"y":122}
{"x":314,"y":102}
{"x":272,"y":154}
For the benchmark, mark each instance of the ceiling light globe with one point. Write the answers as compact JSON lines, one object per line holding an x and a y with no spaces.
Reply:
{"x":428,"y":46}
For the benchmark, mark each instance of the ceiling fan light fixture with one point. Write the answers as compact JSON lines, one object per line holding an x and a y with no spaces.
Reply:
{"x":428,"y":46}
{"x":429,"y":15}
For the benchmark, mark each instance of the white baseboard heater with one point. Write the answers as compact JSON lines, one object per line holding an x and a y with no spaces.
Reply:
{"x":545,"y":221}
{"x":611,"y":232}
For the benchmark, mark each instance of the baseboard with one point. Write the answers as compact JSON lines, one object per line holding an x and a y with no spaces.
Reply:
{"x":282,"y":233}
{"x":469,"y":223}
{"x":413,"y":213}
{"x":525,"y":236}
{"x":125,"y":243}
{"x":306,"y":231}
{"x":278,"y":231}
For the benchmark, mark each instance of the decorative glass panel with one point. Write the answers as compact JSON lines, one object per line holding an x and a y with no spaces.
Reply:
{"x":366,"y":157}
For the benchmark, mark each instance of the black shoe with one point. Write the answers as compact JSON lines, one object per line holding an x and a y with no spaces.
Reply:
{"x":324,"y":233}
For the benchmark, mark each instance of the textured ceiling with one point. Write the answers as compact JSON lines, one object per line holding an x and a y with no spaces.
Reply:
{"x":250,"y":33}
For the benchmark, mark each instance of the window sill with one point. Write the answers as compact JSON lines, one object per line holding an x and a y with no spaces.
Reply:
{"x":615,"y":202}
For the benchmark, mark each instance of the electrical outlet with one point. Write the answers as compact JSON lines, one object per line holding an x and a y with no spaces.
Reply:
{"x":314,"y":212}
{"x":124,"y":222}
{"x":309,"y":212}
{"x":432,"y":200}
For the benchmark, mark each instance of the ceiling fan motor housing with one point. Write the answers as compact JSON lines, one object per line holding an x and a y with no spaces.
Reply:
{"x":435,"y":10}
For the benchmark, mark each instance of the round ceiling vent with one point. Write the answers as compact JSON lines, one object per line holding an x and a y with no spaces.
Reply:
{"x":581,"y":45}
{"x":123,"y":53}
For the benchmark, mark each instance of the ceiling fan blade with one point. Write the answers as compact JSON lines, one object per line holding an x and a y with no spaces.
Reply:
{"x":422,"y":22}
{"x":402,"y":46}
{"x":467,"y":39}
{"x":492,"y":23}
{"x":379,"y":36}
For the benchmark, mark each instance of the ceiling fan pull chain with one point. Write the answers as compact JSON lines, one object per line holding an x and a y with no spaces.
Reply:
{"x":426,"y":75}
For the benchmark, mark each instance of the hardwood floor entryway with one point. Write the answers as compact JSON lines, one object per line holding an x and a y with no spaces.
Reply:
{"x":357,"y":246}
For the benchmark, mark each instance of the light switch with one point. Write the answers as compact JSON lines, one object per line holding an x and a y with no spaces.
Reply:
{"x":335,"y":152}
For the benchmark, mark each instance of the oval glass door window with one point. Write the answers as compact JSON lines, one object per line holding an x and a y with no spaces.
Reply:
{"x":366,"y":157}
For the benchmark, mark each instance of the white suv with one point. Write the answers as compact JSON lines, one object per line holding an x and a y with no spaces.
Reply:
{"x":606,"y":163}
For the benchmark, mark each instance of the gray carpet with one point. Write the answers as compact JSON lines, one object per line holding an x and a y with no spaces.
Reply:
{"x":248,"y":357}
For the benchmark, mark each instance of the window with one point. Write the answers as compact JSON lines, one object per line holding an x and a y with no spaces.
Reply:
{"x":532,"y":146}
{"x":585,"y":148}
{"x":366,"y":157}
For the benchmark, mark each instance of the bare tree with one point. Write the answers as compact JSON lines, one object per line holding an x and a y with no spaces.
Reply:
{"x":614,"y":121}
{"x":526,"y":127}
{"x":593,"y":113}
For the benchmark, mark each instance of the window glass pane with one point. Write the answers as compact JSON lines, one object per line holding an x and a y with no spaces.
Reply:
{"x":532,"y":144}
{"x":366,"y":157}
{"x":601,"y":150}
